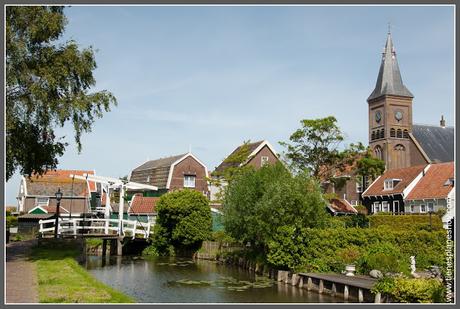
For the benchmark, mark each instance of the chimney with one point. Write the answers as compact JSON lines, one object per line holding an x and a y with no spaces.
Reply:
{"x":442,"y":122}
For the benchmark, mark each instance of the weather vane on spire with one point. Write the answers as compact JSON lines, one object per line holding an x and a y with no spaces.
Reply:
{"x":389,"y":28}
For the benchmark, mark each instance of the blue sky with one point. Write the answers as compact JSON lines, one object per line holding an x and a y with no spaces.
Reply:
{"x":211,"y":77}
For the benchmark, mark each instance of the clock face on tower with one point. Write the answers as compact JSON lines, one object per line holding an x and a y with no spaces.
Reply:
{"x":378,"y":116}
{"x":398,"y":115}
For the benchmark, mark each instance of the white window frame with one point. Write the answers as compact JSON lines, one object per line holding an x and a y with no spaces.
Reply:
{"x":411,"y":208}
{"x":424,"y":206}
{"x":42,"y":203}
{"x":388,"y":184}
{"x":189,"y":181}
{"x":376,"y":207}
{"x":354,"y":202}
{"x":263,"y":160}
{"x":359,"y":187}
{"x":385,"y":206}
{"x":396,"y":206}
{"x":428,"y":206}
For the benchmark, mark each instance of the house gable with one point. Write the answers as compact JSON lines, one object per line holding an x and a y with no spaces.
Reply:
{"x":191,"y":166}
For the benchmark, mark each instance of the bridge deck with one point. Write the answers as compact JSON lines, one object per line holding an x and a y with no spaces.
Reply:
{"x":356,"y":281}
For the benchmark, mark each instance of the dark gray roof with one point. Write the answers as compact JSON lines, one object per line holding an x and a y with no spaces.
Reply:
{"x":436,"y":141}
{"x":389,"y":81}
{"x":154,"y":172}
{"x":27,"y":217}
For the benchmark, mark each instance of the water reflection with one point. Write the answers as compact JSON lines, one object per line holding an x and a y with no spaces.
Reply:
{"x":175,"y":280}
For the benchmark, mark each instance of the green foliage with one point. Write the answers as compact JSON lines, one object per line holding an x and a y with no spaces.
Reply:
{"x":222,"y":237}
{"x":368,"y":165}
{"x":313,"y":147}
{"x":349,"y":255}
{"x":358,"y":220}
{"x":413,"y":222}
{"x":183,"y":222}
{"x":321,"y":248}
{"x":11,"y":221}
{"x":259,"y":202}
{"x":48,"y":84}
{"x":403,"y":290}
{"x":361,"y":209}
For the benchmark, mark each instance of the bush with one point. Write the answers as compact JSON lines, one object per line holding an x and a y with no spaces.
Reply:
{"x":404,"y":222}
{"x":403,"y":290}
{"x":358,"y":220}
{"x":183,"y":223}
{"x":11,"y":221}
{"x":385,"y":257}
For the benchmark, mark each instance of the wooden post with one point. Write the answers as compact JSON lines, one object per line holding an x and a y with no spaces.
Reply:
{"x":113,"y":245}
{"x":321,"y":286}
{"x":300,"y":282}
{"x":345,"y":292}
{"x":378,"y":298}
{"x":120,"y":246}
{"x":360,"y":295}
{"x":334,"y":289}
{"x":106,"y":225}
{"x":309,"y":284}
{"x":104,"y":246}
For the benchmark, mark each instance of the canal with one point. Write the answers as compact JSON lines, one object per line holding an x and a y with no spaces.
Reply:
{"x":175,"y":280}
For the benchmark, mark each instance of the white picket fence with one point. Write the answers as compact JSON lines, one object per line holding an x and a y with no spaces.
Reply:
{"x":96,"y":226}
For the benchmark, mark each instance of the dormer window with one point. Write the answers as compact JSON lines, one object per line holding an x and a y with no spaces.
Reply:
{"x":189,"y":181}
{"x":389,"y":184}
{"x":263,"y":160}
{"x":449,"y":182}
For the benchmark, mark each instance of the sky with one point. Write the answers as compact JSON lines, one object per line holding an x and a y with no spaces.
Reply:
{"x":208,"y":78}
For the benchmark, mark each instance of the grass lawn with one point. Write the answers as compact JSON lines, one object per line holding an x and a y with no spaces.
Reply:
{"x":62,"y":280}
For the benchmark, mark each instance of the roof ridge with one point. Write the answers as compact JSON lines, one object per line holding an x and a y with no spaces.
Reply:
{"x":433,"y":125}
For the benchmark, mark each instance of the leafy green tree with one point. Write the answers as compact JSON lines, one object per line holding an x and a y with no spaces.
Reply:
{"x":314,"y":147}
{"x":184,"y":221}
{"x":369,"y":167}
{"x":259,"y":202}
{"x":47,"y":85}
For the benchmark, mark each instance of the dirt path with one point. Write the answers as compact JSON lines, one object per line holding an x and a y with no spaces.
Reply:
{"x":21,"y":275}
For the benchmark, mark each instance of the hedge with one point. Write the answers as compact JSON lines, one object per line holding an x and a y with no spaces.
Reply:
{"x":406,"y":221}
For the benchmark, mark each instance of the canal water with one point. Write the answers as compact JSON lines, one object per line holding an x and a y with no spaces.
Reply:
{"x":175,"y":280}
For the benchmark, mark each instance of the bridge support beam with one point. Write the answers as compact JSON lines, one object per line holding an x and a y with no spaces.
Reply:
{"x":113,"y":246}
{"x":345,"y":292}
{"x":360,"y":295}
{"x":120,"y":246}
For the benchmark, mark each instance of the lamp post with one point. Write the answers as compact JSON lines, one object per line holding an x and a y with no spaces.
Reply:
{"x":58,"y":195}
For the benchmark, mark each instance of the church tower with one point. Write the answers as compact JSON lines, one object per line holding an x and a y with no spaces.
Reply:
{"x":390,"y":113}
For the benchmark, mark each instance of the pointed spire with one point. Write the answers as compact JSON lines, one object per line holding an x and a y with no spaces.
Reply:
{"x":389,"y":81}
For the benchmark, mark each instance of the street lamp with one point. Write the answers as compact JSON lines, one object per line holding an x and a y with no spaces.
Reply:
{"x":58,"y":195}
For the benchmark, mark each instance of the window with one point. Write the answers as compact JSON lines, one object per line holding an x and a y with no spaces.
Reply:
{"x":378,"y":152}
{"x":42,"y":201}
{"x":412,"y":208}
{"x":385,"y":207}
{"x":423,"y":208}
{"x":392,"y":132}
{"x":189,"y":181}
{"x":406,"y":134}
{"x":430,"y":207}
{"x":399,"y":133}
{"x":388,"y":184}
{"x":263,"y":160}
{"x":376,"y":207}
{"x":359,"y":188}
{"x":373,"y":136}
{"x":382,"y":133}
{"x":395,"y":206}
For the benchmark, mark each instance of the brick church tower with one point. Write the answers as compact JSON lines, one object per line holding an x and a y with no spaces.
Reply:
{"x":390,"y":113}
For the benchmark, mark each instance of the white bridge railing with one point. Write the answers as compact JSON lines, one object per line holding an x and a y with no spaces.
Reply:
{"x":96,"y":226}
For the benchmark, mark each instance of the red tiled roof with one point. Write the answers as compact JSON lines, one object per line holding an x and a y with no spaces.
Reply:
{"x":432,"y":185}
{"x":407,"y":175}
{"x":52,"y":209}
{"x":63,"y":177}
{"x":143,"y":205}
{"x":340,"y":205}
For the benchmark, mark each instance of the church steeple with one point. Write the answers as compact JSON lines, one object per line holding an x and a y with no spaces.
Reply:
{"x":389,"y":81}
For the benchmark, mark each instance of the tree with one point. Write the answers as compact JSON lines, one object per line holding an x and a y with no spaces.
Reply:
{"x":259,"y":202}
{"x":184,"y":221}
{"x":369,"y":167}
{"x":47,"y":85}
{"x":314,"y":147}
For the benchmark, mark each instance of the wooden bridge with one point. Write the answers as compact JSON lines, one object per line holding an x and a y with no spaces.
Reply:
{"x":94,"y":227}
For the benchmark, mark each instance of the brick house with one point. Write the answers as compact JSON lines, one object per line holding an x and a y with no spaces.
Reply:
{"x":172,"y":173}
{"x":37,"y":193}
{"x":258,"y":154}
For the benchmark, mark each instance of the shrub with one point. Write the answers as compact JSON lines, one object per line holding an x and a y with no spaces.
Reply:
{"x":404,"y":222}
{"x":183,"y":223}
{"x":385,"y":257}
{"x":358,"y":220}
{"x":403,"y":290}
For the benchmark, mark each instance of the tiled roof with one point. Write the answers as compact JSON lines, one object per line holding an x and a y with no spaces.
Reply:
{"x":341,"y":206}
{"x":154,"y":172}
{"x":51,"y":181}
{"x":35,"y":217}
{"x":143,"y":205}
{"x":433,"y":184}
{"x":225,"y":164}
{"x":52,"y":209}
{"x":407,"y":175}
{"x":437,"y":142}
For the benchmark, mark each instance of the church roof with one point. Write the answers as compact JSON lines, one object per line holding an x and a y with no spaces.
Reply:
{"x":389,"y":81}
{"x":437,"y":142}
